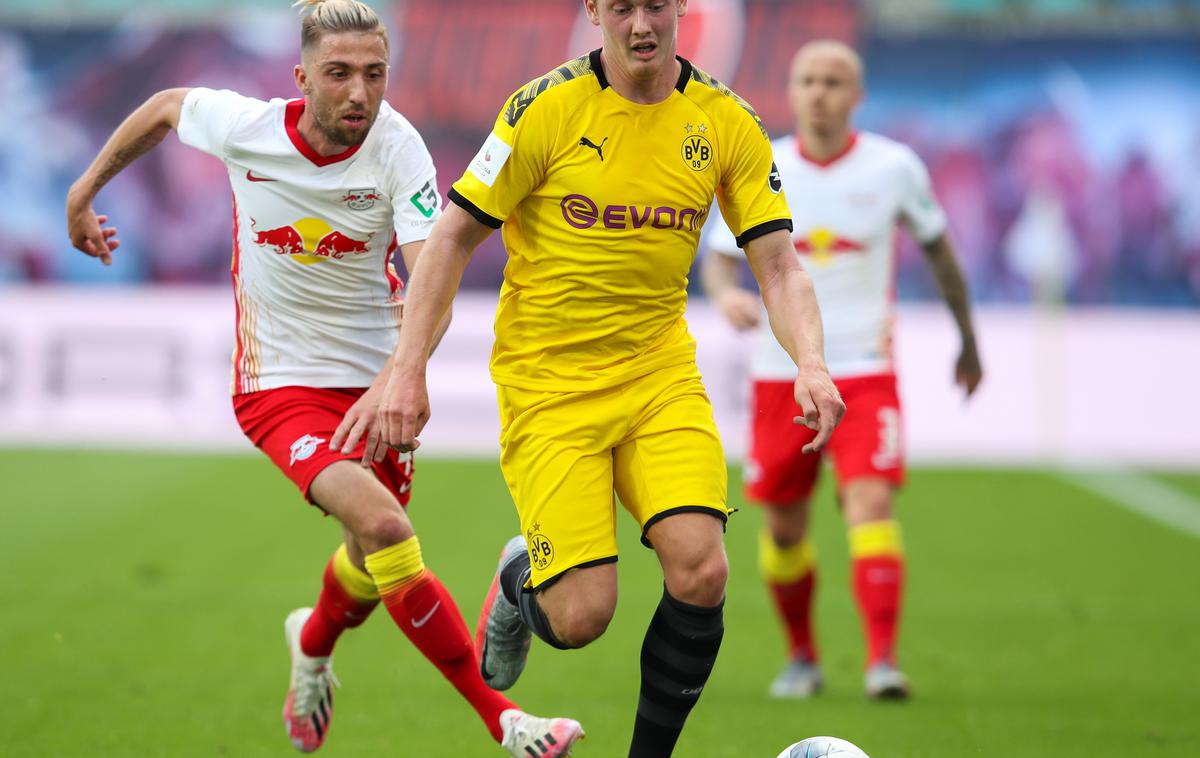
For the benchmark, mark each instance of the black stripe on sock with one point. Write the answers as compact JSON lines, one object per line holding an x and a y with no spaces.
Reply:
{"x":672,"y":636}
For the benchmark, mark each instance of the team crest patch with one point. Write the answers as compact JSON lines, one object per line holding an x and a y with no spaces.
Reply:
{"x":303,"y":448}
{"x":696,"y":150}
{"x":541,"y":551}
{"x":361,"y":199}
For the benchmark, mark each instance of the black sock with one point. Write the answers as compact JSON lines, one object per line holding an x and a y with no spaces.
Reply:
{"x":677,"y":656}
{"x":514,"y":575}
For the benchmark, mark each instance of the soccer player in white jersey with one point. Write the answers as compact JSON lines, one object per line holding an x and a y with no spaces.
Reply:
{"x":847,"y":191}
{"x":326,"y":187}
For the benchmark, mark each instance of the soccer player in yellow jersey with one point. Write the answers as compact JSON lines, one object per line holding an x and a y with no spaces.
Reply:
{"x":601,"y":174}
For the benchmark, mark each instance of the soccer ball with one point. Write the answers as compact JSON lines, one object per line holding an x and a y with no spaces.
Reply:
{"x":820,"y":747}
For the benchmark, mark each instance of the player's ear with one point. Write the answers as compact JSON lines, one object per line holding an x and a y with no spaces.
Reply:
{"x":301,"y":79}
{"x":681,"y":11}
{"x":593,"y":11}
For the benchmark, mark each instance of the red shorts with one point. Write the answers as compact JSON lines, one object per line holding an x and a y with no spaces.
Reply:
{"x":866,"y":443}
{"x":293,"y":426}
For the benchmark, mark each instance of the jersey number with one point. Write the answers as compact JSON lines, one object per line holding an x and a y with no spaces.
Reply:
{"x":887,"y":455}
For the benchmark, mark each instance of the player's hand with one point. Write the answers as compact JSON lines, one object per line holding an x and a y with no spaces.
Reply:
{"x":361,"y":422}
{"x":87,"y":231}
{"x":740,"y":307}
{"x":968,"y":371}
{"x":821,"y":404}
{"x":403,"y":411}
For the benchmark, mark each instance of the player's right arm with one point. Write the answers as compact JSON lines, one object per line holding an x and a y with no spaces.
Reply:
{"x":431,"y":289}
{"x":136,"y":136}
{"x":509,"y":165}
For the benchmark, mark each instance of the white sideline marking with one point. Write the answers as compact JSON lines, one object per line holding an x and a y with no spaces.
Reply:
{"x":1142,"y":495}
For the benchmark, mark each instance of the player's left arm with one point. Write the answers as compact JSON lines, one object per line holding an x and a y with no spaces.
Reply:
{"x":360,"y":420}
{"x":939,"y":252}
{"x":795,"y":318}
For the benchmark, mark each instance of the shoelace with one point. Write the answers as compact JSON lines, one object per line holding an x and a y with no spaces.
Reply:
{"x":508,"y":626}
{"x":311,"y":687}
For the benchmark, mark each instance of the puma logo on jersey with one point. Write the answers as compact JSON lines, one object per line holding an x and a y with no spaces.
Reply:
{"x":585,"y":142}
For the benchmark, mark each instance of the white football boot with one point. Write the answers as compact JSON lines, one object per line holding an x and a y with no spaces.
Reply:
{"x":308,"y":708}
{"x":527,"y":736}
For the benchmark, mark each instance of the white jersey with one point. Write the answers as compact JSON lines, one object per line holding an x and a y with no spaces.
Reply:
{"x":844,"y":213}
{"x":317,"y":298}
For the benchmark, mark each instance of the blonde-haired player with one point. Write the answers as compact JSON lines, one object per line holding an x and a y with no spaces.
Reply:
{"x":326,"y":187}
{"x":601,"y":174}
{"x":847,"y":191}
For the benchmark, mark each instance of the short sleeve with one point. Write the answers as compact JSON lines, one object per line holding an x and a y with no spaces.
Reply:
{"x":208,"y":118}
{"x":416,"y":202}
{"x":750,"y":194}
{"x":512,"y":162}
{"x":919,"y":209}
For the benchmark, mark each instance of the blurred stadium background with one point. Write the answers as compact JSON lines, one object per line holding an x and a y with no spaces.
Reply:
{"x":1052,"y":521}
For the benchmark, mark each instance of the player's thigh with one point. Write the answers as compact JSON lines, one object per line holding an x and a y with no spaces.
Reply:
{"x":868,"y":444}
{"x":778,"y":473}
{"x":559,"y":470}
{"x":293,"y":426}
{"x":355,"y":497}
{"x":671,"y":460}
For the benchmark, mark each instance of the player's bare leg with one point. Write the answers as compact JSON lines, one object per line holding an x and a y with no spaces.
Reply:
{"x":787,"y":563}
{"x":877,"y":553}
{"x":423,"y":609}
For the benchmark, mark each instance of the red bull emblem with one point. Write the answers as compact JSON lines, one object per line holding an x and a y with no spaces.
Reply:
{"x":823,"y":244}
{"x":309,"y":241}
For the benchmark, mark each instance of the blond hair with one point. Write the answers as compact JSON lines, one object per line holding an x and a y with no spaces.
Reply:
{"x":335,"y":16}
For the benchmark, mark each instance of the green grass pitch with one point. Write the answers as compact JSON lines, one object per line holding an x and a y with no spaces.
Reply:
{"x":142,"y":600}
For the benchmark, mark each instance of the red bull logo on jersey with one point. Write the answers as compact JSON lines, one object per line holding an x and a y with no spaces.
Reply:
{"x":309,"y":241}
{"x":822,"y":245}
{"x":582,"y":212}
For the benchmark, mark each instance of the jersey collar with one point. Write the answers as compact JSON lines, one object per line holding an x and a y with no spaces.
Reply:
{"x":291,"y":122}
{"x":685,"y":70}
{"x":831,"y":159}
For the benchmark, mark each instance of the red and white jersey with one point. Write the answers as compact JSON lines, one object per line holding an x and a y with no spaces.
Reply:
{"x":844,"y":213}
{"x":318,"y":301}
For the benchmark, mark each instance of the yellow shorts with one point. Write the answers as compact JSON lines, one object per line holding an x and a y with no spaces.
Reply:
{"x":652,"y":440}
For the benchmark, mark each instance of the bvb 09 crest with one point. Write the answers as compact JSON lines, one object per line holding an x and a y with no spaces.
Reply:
{"x":696,"y":150}
{"x":541,"y":552}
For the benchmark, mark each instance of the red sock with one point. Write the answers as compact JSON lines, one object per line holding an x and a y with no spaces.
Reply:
{"x":794,"y":603}
{"x":428,"y":615}
{"x":336,"y":612}
{"x":878,"y":586}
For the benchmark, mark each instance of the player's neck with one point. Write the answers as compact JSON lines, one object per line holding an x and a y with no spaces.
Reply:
{"x":641,"y":91}
{"x":824,"y":147}
{"x":316,"y":137}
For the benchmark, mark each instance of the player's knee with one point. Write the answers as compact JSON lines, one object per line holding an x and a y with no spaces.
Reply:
{"x":583,"y":622}
{"x":868,"y":503}
{"x":382,"y":530}
{"x":788,"y":530}
{"x":703,"y":582}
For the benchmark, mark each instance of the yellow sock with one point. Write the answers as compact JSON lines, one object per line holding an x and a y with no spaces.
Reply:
{"x":784,"y":565}
{"x":876,"y":538}
{"x":357,"y":584}
{"x":397,"y":566}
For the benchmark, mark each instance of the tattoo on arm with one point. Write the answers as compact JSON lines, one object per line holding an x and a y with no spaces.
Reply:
{"x":129,"y":153}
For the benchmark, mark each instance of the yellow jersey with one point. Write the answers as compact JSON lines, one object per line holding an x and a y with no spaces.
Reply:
{"x":602,"y":201}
